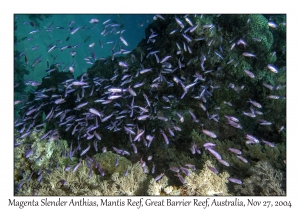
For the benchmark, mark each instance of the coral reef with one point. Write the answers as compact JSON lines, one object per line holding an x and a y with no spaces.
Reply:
{"x":132,"y":184}
{"x":156,"y":187}
{"x":262,"y":152}
{"x":60,"y":182}
{"x":206,"y":183}
{"x":265,"y":180}
{"x":108,"y":162}
{"x":44,"y":154}
{"x":55,"y":180}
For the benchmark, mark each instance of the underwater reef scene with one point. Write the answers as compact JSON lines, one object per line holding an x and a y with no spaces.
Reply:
{"x":196,"y":107}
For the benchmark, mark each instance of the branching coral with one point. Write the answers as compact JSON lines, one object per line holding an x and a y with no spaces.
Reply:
{"x":61,"y":182}
{"x":206,"y":182}
{"x":133,"y":183}
{"x":265,"y":180}
{"x":155,"y":187}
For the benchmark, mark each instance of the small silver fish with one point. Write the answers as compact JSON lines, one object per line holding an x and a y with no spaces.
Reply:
{"x":179,"y":22}
{"x":249,"y":73}
{"x":254,"y":103}
{"x":272,"y":68}
{"x":123,"y":41}
{"x":247,"y":54}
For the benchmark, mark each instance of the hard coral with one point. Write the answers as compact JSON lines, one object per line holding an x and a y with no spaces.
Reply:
{"x":265,"y":180}
{"x":206,"y":183}
{"x":133,"y":183}
{"x":155,"y":187}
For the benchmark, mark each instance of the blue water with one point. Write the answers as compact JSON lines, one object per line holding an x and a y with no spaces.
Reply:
{"x":134,"y":27}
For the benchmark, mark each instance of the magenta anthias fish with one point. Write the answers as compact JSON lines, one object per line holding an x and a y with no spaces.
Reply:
{"x":209,"y":133}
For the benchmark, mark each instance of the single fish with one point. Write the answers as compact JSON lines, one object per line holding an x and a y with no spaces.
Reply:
{"x":272,"y":68}
{"x":165,"y":137}
{"x":236,"y":151}
{"x":214,"y":153}
{"x":85,"y":151}
{"x":212,"y":169}
{"x":270,"y":144}
{"x":37,"y":60}
{"x":76,"y":167}
{"x":95,"y":112}
{"x":33,"y":32}
{"x":234,"y":180}
{"x":272,"y":25}
{"x":252,"y":138}
{"x":75,"y":30}
{"x":242,"y":159}
{"x":86,"y":39}
{"x":179,"y":22}
{"x":223,"y":162}
{"x":249,"y":73}
{"x":159,"y":176}
{"x":209,"y":133}
{"x":254,"y":103}
{"x":94,"y":20}
{"x":123,"y":41}
{"x":250,"y":55}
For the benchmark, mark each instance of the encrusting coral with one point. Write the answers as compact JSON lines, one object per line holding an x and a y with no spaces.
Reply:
{"x":108,"y":162}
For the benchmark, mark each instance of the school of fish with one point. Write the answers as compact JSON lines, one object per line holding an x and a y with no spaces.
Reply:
{"x":144,"y":102}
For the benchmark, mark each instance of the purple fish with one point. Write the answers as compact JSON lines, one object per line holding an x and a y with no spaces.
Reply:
{"x":95,"y":112}
{"x":159,"y":176}
{"x":126,"y":172}
{"x":134,"y":148}
{"x":153,"y":168}
{"x":181,"y":178}
{"x":165,"y":137}
{"x":234,"y":180}
{"x":252,"y":138}
{"x":67,"y":168}
{"x":174,"y":169}
{"x":236,"y":151}
{"x":212,"y":169}
{"x":185,"y":171}
{"x":214,"y":153}
{"x":209,"y":133}
{"x":223,"y":162}
{"x":270,"y":144}
{"x":76,"y":167}
{"x":139,"y":135}
{"x":85,"y":151}
{"x":191,"y":166}
{"x":101,"y":169}
{"x":28,"y":153}
{"x":242,"y":159}
{"x":79,"y":83}
{"x":117,"y":161}
{"x":209,"y":144}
